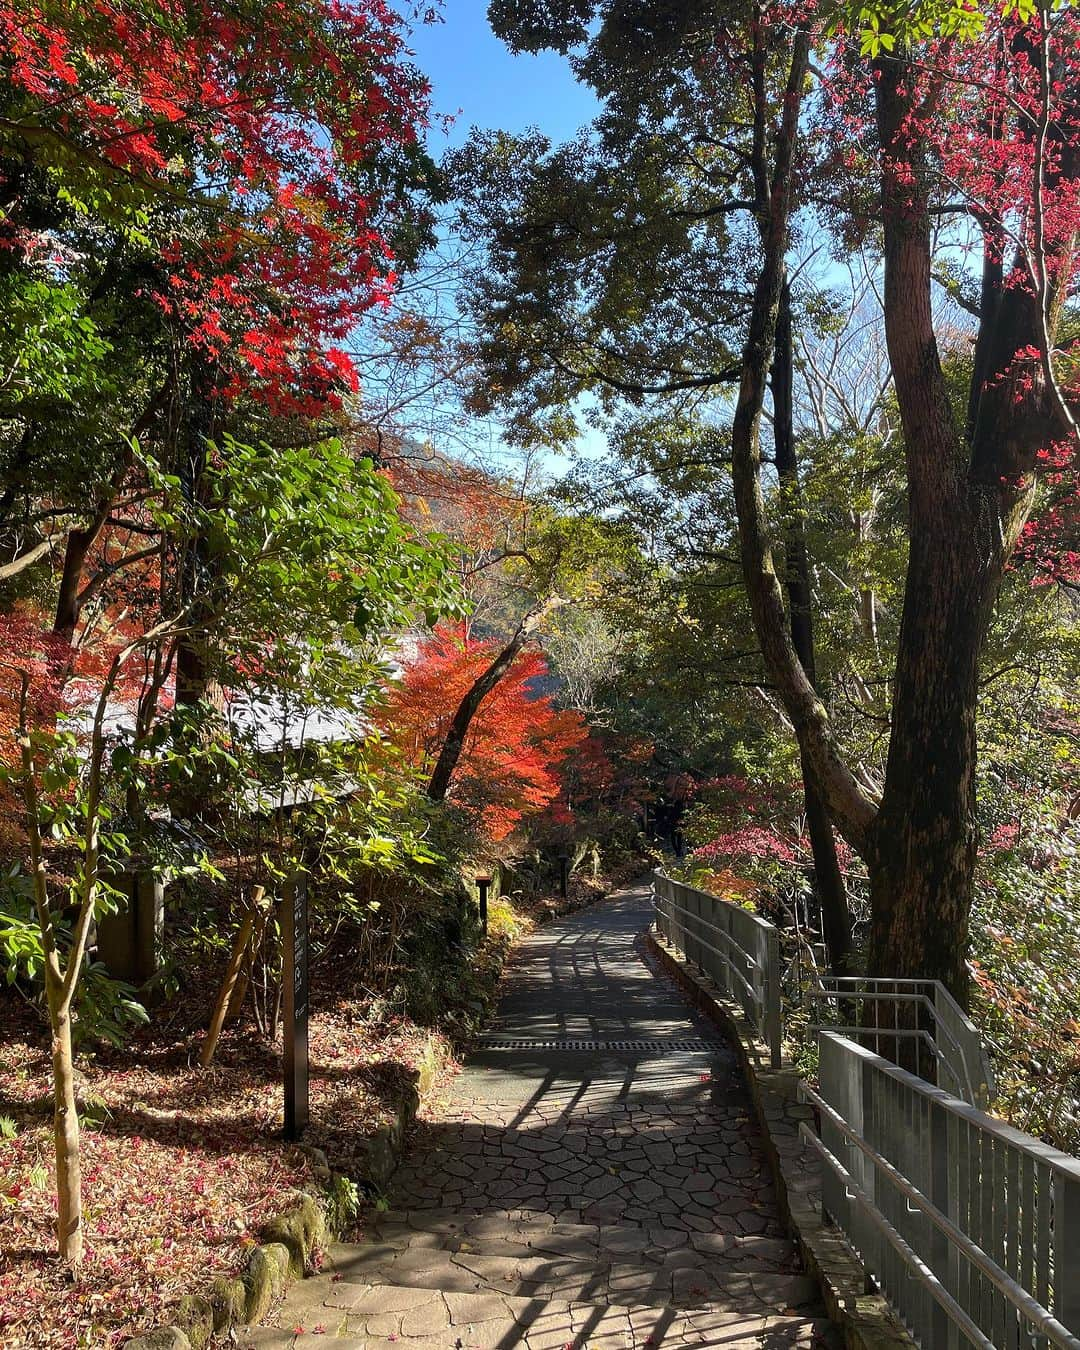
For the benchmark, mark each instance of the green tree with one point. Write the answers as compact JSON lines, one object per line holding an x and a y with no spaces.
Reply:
{"x":639,"y":259}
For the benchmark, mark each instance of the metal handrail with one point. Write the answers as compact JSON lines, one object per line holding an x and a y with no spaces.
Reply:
{"x":963,"y":1084}
{"x":748,"y":967}
{"x":973,"y":1082}
{"x":750,"y":989}
{"x":899,"y":1034}
{"x":931,"y":1282}
{"x":1028,"y":1306}
{"x":982,"y":1219}
{"x":750,"y":958}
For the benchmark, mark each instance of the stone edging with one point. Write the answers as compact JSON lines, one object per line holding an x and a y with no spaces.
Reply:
{"x":865,"y":1318}
{"x":291,"y":1240}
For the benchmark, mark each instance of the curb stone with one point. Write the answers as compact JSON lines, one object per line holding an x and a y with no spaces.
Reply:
{"x":865,"y":1318}
{"x":291,"y":1240}
{"x":165,"y":1338}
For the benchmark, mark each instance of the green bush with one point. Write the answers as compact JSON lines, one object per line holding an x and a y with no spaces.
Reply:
{"x":105,"y":1008}
{"x":1026,"y":963}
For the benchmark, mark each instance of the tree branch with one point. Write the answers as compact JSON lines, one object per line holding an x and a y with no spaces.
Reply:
{"x":852,"y":810}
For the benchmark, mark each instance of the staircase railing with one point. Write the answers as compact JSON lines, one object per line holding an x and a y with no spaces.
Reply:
{"x":916,"y":1024}
{"x":737,"y":950}
{"x":970,"y":1228}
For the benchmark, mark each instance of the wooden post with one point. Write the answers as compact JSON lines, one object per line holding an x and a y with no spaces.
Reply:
{"x":294,"y":973}
{"x":564,"y":871}
{"x":482,"y":884}
{"x":129,"y":940}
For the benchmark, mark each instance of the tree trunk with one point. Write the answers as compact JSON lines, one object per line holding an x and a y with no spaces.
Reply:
{"x":923,"y":859}
{"x":828,"y":879}
{"x":58,"y":996}
{"x":922,"y":867}
{"x":78,"y":545}
{"x":232,"y":972}
{"x":198,"y":585}
{"x":80,"y":542}
{"x":198,"y":578}
{"x":69,"y":1231}
{"x":848,"y":805}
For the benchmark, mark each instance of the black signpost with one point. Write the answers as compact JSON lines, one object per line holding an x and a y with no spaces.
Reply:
{"x":482,"y":884}
{"x":294,"y":956}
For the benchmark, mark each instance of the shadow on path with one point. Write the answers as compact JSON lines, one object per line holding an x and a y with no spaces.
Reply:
{"x":597,"y":1181}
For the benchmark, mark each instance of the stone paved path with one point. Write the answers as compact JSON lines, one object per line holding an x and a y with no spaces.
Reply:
{"x":611,"y":1197}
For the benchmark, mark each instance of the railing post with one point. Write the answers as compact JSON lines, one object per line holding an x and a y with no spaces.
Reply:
{"x":992,"y":1213}
{"x":678,"y":912}
{"x":840,"y":1089}
{"x":692,"y":904}
{"x":1067,"y":1250}
{"x":706,"y":937}
{"x":772,"y":1028}
{"x":879,"y":1129}
{"x":737,"y":950}
{"x":729,"y":984}
{"x":944,"y":1259}
{"x":663,"y":908}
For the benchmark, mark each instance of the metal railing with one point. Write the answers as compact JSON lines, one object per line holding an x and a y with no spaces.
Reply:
{"x":738,"y":951}
{"x":914,"y":1023}
{"x":969,"y":1228}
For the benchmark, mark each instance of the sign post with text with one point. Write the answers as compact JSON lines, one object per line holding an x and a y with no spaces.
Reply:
{"x":294,"y":971}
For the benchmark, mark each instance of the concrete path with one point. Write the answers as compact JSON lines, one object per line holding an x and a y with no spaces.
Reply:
{"x":597,"y":1182}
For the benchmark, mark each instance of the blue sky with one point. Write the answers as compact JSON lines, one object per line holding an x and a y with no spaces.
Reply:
{"x":476,"y":78}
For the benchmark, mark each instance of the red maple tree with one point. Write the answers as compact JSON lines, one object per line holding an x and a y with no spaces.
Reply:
{"x":988,"y":132}
{"x":516,"y":745}
{"x":274,"y":147}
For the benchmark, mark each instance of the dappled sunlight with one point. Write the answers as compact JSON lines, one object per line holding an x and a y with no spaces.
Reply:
{"x":589,"y":1181}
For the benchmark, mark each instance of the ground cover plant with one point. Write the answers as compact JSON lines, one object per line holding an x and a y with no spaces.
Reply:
{"x":181,"y":1167}
{"x":182,"y":1164}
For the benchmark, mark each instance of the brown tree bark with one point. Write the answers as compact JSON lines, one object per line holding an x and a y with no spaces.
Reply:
{"x":199,"y":596}
{"x":79,"y":544}
{"x":194,"y":675}
{"x":61,"y":979}
{"x":828,"y":879}
{"x":969,"y":496}
{"x":59,"y":996}
{"x":69,"y":1229}
{"x":71,"y":595}
{"x":76,"y":551}
{"x":847,"y":803}
{"x":967,"y":504}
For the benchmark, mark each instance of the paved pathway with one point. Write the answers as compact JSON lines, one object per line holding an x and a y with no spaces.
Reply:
{"x":612,"y":1196}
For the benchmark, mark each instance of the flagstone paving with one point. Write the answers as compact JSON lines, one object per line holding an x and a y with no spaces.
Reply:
{"x":611,"y":1195}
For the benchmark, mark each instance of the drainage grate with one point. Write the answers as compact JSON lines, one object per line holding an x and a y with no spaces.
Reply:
{"x":686,"y":1046}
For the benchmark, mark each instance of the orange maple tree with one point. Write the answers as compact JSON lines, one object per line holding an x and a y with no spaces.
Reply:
{"x":517,"y":743}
